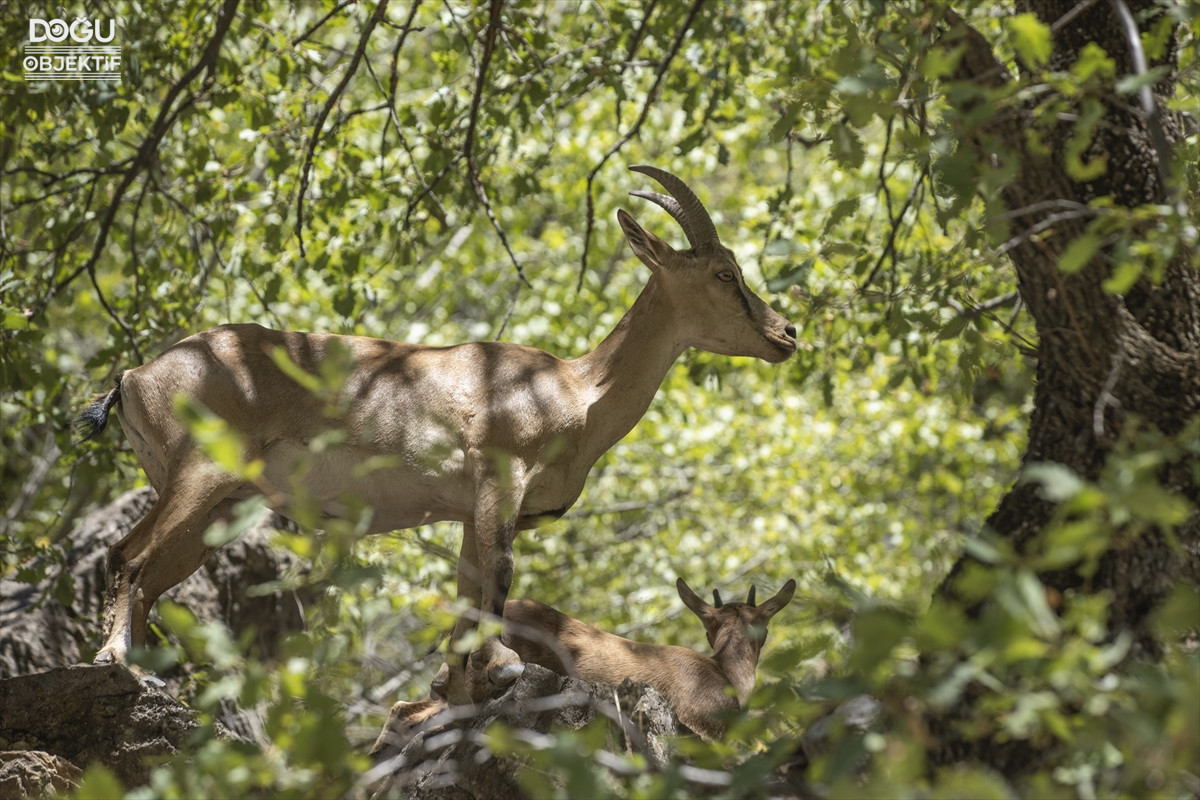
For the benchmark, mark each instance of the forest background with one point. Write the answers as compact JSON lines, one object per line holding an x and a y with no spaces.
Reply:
{"x":439,"y":172}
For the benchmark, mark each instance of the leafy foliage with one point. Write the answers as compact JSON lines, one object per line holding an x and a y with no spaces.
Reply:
{"x":270,"y":173}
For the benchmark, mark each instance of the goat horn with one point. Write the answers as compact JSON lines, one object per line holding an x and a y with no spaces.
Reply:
{"x":716,"y":599}
{"x":683,"y":205}
{"x":750,"y":597}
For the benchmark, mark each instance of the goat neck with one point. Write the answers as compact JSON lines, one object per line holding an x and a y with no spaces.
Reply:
{"x":736,"y":655}
{"x":625,"y":370}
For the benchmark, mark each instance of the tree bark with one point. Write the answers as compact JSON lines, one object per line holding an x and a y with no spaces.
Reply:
{"x":1109,"y":366}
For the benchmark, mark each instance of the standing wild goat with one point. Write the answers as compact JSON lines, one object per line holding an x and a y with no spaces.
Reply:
{"x":697,"y":687}
{"x":494,"y":435}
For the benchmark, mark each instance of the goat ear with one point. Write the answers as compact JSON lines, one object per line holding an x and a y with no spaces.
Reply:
{"x":773,"y":606}
{"x":653,"y":251}
{"x":692,"y":600}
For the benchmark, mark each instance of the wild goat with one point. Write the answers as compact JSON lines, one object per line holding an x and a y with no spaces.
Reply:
{"x":494,"y":435}
{"x":698,"y":687}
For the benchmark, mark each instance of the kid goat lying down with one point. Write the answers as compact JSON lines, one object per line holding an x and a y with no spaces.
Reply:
{"x":698,"y":687}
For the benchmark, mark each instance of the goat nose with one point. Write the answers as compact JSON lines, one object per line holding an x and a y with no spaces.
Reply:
{"x":790,"y":330}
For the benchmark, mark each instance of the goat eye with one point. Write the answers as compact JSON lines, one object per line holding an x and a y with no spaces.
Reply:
{"x":725,"y":275}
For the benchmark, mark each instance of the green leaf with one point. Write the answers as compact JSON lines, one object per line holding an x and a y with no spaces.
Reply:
{"x":941,"y":61}
{"x":796,"y":274}
{"x":974,"y":782}
{"x":846,"y":146}
{"x":1069,"y":542}
{"x":1058,"y":481}
{"x":1123,"y":277}
{"x":1078,"y":253}
{"x":1093,"y":60}
{"x":953,"y":328}
{"x":840,"y":211}
{"x":1033,"y":594}
{"x":98,"y":783}
{"x":1132,"y":83}
{"x":1180,"y":614}
{"x":1031,"y":39}
{"x":293,"y":370}
{"x":246,"y":513}
{"x":876,"y":632}
{"x":987,"y":548}
{"x":784,"y":124}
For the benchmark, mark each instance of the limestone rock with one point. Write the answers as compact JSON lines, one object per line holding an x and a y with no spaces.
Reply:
{"x":33,"y":773}
{"x":88,"y":714}
{"x":447,"y":758}
{"x":39,"y":633}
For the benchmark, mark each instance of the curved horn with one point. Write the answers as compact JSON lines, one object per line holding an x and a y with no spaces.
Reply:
{"x":750,"y":597}
{"x":716,"y":599}
{"x":683,"y":205}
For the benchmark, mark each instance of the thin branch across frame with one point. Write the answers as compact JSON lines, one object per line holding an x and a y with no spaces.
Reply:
{"x":168,"y":114}
{"x":330,"y":102}
{"x":651,"y":96}
{"x":489,"y":46}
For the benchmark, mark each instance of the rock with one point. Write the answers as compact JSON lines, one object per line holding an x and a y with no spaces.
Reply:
{"x":56,"y":720}
{"x":39,"y":633}
{"x":47,"y":724}
{"x":88,"y":714}
{"x":447,"y":757}
{"x":33,"y":773}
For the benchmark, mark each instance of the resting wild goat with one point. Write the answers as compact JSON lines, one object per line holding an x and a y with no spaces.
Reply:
{"x":496,"y":436}
{"x":697,"y":687}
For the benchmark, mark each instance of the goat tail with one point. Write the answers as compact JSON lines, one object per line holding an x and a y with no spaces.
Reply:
{"x":92,"y":420}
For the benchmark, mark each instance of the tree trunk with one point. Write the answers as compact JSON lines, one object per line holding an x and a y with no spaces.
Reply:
{"x":1110,"y":367}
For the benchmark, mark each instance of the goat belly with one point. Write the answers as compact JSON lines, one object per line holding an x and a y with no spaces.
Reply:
{"x":397,"y":496}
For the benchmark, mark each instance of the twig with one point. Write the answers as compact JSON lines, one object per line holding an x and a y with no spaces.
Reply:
{"x":651,"y":96}
{"x":1106,"y":398}
{"x":167,"y":115}
{"x":137,"y":352}
{"x":1150,"y":110}
{"x":393,"y":86}
{"x":1050,"y":221}
{"x":978,"y":310}
{"x":890,"y":247}
{"x":1066,"y":18}
{"x":489,"y":45}
{"x":319,"y":126}
{"x":317,"y":25}
{"x":512,"y":305}
{"x":428,"y":190}
{"x":988,"y":309}
{"x":634,"y":43}
{"x":631,"y":505}
{"x":32,"y":485}
{"x":1047,"y":205}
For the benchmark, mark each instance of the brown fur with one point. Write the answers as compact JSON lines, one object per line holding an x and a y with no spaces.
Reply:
{"x":697,"y":686}
{"x":494,"y":435}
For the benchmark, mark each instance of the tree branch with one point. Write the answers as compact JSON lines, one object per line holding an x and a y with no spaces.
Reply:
{"x":319,"y":23}
{"x":1150,"y":110}
{"x":889,"y":248}
{"x":651,"y":96}
{"x":168,"y":113}
{"x":489,"y":45}
{"x":319,"y":126}
{"x":390,"y":93}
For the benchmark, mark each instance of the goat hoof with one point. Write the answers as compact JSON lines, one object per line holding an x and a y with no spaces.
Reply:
{"x":506,"y":674}
{"x":104,"y":657}
{"x":440,"y":686}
